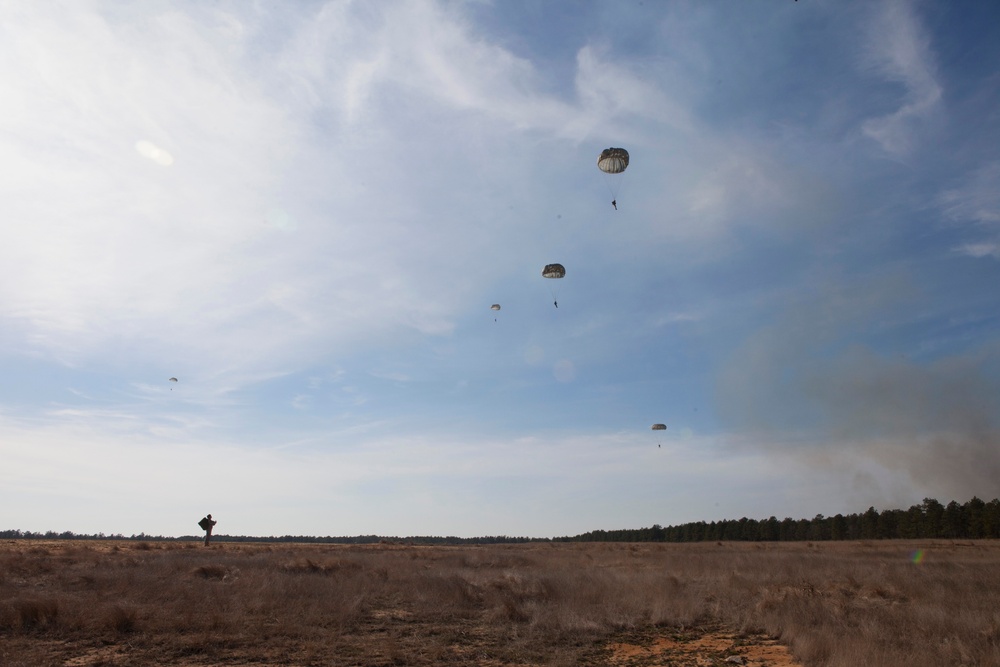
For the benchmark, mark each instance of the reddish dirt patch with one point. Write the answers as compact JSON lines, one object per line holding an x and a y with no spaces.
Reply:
{"x":700,"y":648}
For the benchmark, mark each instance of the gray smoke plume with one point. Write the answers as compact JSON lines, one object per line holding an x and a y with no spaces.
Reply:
{"x":805,"y":387}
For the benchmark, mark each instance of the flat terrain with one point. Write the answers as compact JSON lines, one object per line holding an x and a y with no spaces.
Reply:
{"x":88,"y":603}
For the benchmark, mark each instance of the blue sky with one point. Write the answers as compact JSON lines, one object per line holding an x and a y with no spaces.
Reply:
{"x":304,"y":212}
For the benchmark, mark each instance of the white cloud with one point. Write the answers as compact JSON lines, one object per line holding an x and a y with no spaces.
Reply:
{"x":899,"y":50}
{"x":977,"y":199}
{"x":97,"y":240}
{"x":980,"y":249}
{"x":976,"y":202}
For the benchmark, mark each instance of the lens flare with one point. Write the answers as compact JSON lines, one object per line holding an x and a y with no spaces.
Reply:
{"x":153,"y":152}
{"x":917,"y":556}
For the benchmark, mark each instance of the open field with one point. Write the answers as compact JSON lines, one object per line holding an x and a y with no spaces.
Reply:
{"x":832,"y":604}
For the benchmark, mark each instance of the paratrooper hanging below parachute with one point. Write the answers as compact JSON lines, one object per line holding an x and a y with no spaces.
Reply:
{"x":613,"y":161}
{"x":554,"y":271}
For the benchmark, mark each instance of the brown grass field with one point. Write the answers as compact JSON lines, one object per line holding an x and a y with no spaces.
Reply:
{"x":837,"y":604}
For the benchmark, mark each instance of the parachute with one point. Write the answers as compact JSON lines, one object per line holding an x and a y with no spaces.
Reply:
{"x":613,"y":162}
{"x":554,"y":271}
{"x":173,"y":379}
{"x":495,"y":306}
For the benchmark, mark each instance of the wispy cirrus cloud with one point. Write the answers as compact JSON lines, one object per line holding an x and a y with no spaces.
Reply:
{"x":976,"y":202}
{"x":899,"y":50}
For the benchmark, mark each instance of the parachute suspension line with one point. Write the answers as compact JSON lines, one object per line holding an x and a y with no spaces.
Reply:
{"x":553,"y":295}
{"x":611,"y":190}
{"x":614,"y":184}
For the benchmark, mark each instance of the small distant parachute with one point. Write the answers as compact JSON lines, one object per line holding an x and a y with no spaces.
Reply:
{"x":613,"y":160}
{"x":172,"y":380}
{"x":658,"y":427}
{"x":554,"y":271}
{"x":495,"y":306}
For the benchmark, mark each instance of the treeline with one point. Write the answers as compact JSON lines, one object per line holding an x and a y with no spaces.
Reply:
{"x":974,"y":519}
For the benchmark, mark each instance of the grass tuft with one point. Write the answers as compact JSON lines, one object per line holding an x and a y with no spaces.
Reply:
{"x":121,"y":619}
{"x":210,"y":572}
{"x":37,"y":613}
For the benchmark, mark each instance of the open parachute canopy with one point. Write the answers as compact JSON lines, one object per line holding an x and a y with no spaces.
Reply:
{"x":495,"y":306}
{"x":613,"y":160}
{"x":659,"y":427}
{"x":173,"y":380}
{"x":554,"y":271}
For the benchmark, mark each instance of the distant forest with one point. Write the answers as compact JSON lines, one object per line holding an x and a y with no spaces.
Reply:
{"x":974,"y":519}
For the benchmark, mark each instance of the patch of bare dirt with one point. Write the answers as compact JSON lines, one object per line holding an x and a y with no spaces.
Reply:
{"x":699,"y":648}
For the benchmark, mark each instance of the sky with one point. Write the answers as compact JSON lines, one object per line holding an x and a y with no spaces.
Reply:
{"x":303,"y":212}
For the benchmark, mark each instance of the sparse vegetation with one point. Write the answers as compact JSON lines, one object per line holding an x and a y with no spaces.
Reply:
{"x":833,"y":603}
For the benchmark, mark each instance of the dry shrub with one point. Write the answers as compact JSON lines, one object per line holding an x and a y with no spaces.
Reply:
{"x":28,"y":565}
{"x":121,"y":619}
{"x":36,"y":613}
{"x":210,"y":572}
{"x":815,"y":648}
{"x":447,"y":592}
{"x":304,"y":566}
{"x":328,"y":567}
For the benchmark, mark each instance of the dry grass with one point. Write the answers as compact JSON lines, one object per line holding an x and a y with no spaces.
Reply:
{"x":833,"y":604}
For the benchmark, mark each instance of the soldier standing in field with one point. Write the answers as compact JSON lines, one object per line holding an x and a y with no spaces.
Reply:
{"x":206,"y":525}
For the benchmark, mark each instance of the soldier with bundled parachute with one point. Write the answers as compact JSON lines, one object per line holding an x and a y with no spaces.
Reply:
{"x":206,"y":524}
